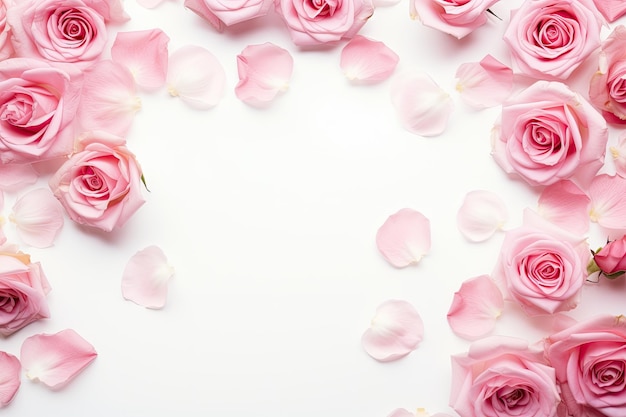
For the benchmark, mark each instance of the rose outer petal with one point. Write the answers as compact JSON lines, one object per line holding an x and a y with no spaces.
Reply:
{"x":10,"y":369}
{"x":404,"y":238}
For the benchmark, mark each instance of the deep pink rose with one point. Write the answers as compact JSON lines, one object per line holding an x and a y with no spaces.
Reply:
{"x":37,"y":106}
{"x":456,"y":17}
{"x":315,"y":22}
{"x":590,"y":363}
{"x":100,"y":185}
{"x":611,"y":259}
{"x":607,"y":90}
{"x":503,"y":377}
{"x":549,"y":133}
{"x":23,"y":290}
{"x":221,"y":13}
{"x":551,"y":38}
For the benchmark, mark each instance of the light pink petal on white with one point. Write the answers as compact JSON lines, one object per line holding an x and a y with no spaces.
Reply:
{"x":56,"y":359}
{"x":421,"y":105}
{"x":481,"y":215}
{"x":475,"y":308}
{"x":15,"y":176}
{"x":196,"y":77}
{"x":566,"y":205}
{"x":366,"y":60}
{"x":404,"y":238}
{"x":483,"y":84}
{"x":395,"y":331}
{"x":38,"y":216}
{"x":10,"y":370}
{"x":264,"y":72}
{"x":146,"y":277}
{"x":401,"y":412}
{"x":608,"y":201}
{"x":145,"y":54}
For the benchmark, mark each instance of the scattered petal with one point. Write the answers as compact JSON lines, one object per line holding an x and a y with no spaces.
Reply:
{"x":566,"y":205}
{"x":483,"y":84}
{"x":196,"y":76}
{"x":608,"y":201}
{"x":16,"y":176}
{"x":367,"y":60}
{"x":56,"y":359}
{"x":475,"y":308}
{"x":404,"y":238}
{"x":38,"y":216}
{"x":10,"y":369}
{"x":395,"y":331}
{"x":401,"y":412}
{"x":145,"y":278}
{"x":422,"y":106}
{"x":481,"y":215}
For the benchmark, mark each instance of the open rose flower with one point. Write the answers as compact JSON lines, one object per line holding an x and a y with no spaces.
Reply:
{"x":23,"y":290}
{"x":607,"y":89}
{"x":100,"y":185}
{"x":590,"y":362}
{"x":551,"y":38}
{"x":503,"y":377}
{"x":312,"y":23}
{"x":458,"y":18}
{"x":611,"y":259}
{"x":549,"y":133}
{"x":221,"y":13}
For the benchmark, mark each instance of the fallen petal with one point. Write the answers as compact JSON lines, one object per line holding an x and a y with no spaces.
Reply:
{"x":146,"y":277}
{"x":566,"y":205}
{"x":367,"y":60}
{"x":404,"y":238}
{"x":481,"y":215}
{"x":38,"y":216}
{"x":608,"y":201}
{"x":10,"y":369}
{"x":15,"y":176}
{"x":483,"y":84}
{"x":401,"y":412}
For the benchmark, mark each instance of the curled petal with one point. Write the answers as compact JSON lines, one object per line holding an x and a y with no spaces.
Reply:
{"x":38,"y":216}
{"x":422,"y":106}
{"x":566,"y":205}
{"x":395,"y":331}
{"x":608,"y":201}
{"x":404,"y":238}
{"x":481,"y":215}
{"x":145,"y":278}
{"x":56,"y":359}
{"x":16,"y":176}
{"x":611,"y":9}
{"x":10,"y":369}
{"x":196,"y":77}
{"x":363,"y":59}
{"x":484,"y":84}
{"x":475,"y":308}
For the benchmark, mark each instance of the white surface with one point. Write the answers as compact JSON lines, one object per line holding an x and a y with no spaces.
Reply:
{"x":269,"y":218}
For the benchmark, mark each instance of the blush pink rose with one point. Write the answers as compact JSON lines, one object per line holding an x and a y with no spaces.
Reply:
{"x":6,"y":49}
{"x":551,"y":38}
{"x":611,"y":259}
{"x":37,"y":106}
{"x":100,"y":185}
{"x":607,"y":89}
{"x":503,"y":377}
{"x":23,"y":290}
{"x":458,"y":18}
{"x":590,"y":362}
{"x":549,"y":133}
{"x":316,"y":22}
{"x":221,"y":13}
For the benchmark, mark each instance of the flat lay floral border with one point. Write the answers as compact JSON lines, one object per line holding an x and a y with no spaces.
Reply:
{"x":67,"y":102}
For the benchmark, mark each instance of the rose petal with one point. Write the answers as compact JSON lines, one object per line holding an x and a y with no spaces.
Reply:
{"x":422,"y":106}
{"x":566,"y":205}
{"x":404,"y":238}
{"x":56,"y":359}
{"x":487,"y":83}
{"x":395,"y":331}
{"x":608,"y":201}
{"x":481,"y":215}
{"x":10,"y":369}
{"x":196,"y":77}
{"x":611,"y":9}
{"x":145,"y":278}
{"x":401,"y":412}
{"x":367,"y":60}
{"x":16,"y":176}
{"x":38,"y":216}
{"x":618,"y":152}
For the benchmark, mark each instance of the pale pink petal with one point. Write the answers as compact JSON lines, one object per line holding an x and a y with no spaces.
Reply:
{"x":395,"y":331}
{"x":566,"y":205}
{"x":475,"y":308}
{"x":481,"y":215}
{"x":146,"y":278}
{"x":196,"y":77}
{"x":150,"y":4}
{"x":608,"y":201}
{"x":367,"y":60}
{"x":487,"y":83}
{"x":145,"y":54}
{"x":10,"y":369}
{"x":404,"y":238}
{"x":56,"y":359}
{"x":618,"y":152}
{"x":16,"y":176}
{"x":264,"y":71}
{"x":422,"y":106}
{"x":38,"y":216}
{"x":401,"y":412}
{"x":611,"y":9}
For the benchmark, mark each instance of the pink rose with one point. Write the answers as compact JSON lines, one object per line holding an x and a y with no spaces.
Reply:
{"x":457,"y":17}
{"x":100,"y":185}
{"x":63,"y":31}
{"x":312,"y":22}
{"x":503,"y":377}
{"x":549,"y":133}
{"x":37,"y":106}
{"x":6,"y":49}
{"x":551,"y":38}
{"x":23,"y":290}
{"x":607,"y":89}
{"x":590,"y":363}
{"x":611,"y":259}
{"x":222,"y":13}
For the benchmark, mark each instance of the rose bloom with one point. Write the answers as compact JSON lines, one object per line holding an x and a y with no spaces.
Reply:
{"x":6,"y":49}
{"x":23,"y":290}
{"x":611,"y":259}
{"x":99,"y":185}
{"x":458,"y":18}
{"x":607,"y":89}
{"x":549,"y":133}
{"x":312,"y":22}
{"x":501,"y":377}
{"x":222,"y":13}
{"x":37,"y":107}
{"x":551,"y":38}
{"x":63,"y":31}
{"x":590,"y":362}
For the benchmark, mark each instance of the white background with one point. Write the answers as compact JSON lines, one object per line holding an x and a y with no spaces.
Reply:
{"x":269,"y":217}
